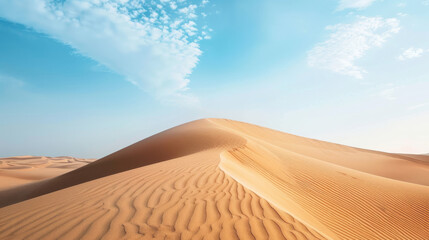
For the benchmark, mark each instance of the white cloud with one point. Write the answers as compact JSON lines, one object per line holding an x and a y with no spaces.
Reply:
{"x":190,"y":28}
{"x":173,"y":5}
{"x":151,"y":47}
{"x":358,"y":4}
{"x":388,"y":94}
{"x":411,"y":53}
{"x":349,"y":42}
{"x":189,"y":11}
{"x":205,"y":35}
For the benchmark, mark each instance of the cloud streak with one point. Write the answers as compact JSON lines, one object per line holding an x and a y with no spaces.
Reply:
{"x":153,"y":44}
{"x":356,"y":4}
{"x":411,"y":53}
{"x":349,"y":42}
{"x":10,"y":81}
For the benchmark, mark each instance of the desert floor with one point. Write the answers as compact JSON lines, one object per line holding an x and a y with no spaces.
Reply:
{"x":218,"y":179}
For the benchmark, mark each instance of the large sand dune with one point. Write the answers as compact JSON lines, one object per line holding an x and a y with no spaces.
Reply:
{"x":222,"y":179}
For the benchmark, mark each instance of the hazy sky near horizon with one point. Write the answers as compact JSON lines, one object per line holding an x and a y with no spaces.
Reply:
{"x":88,"y":77}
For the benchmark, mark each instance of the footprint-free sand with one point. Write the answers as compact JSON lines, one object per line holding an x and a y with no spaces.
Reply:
{"x":218,"y":179}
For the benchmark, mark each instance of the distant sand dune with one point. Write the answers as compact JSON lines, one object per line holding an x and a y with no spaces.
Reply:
{"x":15,"y":171}
{"x":222,"y":179}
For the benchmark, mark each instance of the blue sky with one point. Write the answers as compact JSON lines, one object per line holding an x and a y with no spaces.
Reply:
{"x":86,"y":78}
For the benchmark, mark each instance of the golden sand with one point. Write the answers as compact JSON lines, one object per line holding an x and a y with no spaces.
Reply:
{"x":223,"y":179}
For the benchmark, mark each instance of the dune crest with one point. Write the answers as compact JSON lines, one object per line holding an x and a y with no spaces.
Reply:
{"x":223,"y":179}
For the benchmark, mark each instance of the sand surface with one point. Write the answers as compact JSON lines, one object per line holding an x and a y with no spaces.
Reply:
{"x":222,"y":179}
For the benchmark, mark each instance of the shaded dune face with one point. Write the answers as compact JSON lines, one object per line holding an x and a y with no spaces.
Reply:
{"x":223,"y":179}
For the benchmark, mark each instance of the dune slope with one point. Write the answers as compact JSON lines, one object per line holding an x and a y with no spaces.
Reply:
{"x":222,"y":179}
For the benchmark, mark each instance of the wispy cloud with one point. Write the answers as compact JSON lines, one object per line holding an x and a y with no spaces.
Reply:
{"x":411,"y":53}
{"x":402,"y":4}
{"x":421,"y":105}
{"x":388,"y":94}
{"x":356,"y":4}
{"x":10,"y":81}
{"x":349,"y":42}
{"x":154,"y":44}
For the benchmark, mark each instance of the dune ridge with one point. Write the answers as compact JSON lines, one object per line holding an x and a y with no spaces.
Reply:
{"x":347,"y":200}
{"x":223,"y":179}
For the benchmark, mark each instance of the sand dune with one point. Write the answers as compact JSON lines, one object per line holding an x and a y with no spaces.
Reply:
{"x":15,"y":171}
{"x":222,"y":179}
